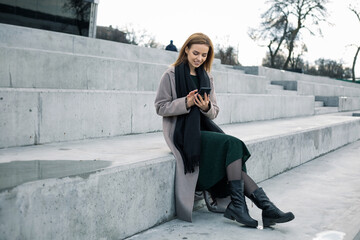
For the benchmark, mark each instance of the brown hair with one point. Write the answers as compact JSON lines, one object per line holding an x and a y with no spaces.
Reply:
{"x":197,"y":38}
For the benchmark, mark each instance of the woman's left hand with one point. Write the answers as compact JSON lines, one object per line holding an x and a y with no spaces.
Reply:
{"x":202,"y":103}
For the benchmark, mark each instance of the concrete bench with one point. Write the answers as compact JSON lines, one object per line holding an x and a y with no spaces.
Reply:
{"x":34,"y":68}
{"x":130,"y":187}
{"x":37,"y":116}
{"x":280,"y":75}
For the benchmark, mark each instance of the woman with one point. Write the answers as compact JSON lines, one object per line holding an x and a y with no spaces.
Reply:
{"x":206,"y":158}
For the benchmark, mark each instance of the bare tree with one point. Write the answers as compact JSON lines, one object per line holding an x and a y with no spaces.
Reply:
{"x":357,"y":13}
{"x":296,"y":61}
{"x":274,"y":61}
{"x":283,"y":22}
{"x":141,"y":37}
{"x":354,"y":63}
{"x":330,"y":68}
{"x":110,"y":33}
{"x":327,"y":67}
{"x":227,"y":55}
{"x":273,"y":30}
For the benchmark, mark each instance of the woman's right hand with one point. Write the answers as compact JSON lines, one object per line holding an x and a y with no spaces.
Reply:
{"x":191,"y":98}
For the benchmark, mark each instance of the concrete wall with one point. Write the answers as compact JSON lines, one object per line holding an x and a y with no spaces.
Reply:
{"x":29,"y":38}
{"x":349,"y":103}
{"x":281,"y":75}
{"x":38,"y":69}
{"x":32,"y":68}
{"x":317,"y":89}
{"x":95,"y":206}
{"x":19,"y":37}
{"x":295,"y":149}
{"x":236,"y":108}
{"x":43,"y":116}
{"x":37,"y":116}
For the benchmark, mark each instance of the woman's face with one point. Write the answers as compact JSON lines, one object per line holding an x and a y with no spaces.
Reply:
{"x":196,"y":55}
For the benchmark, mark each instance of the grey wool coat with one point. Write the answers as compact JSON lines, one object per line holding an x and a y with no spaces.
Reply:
{"x":169,"y":107}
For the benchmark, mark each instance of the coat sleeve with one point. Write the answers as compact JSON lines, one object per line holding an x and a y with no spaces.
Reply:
{"x":165,"y":104}
{"x":214,"y":108}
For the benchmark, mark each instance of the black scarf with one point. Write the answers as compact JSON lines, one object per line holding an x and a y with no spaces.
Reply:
{"x":187,"y":135}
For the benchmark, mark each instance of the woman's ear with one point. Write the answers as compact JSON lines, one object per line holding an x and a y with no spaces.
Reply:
{"x":187,"y":50}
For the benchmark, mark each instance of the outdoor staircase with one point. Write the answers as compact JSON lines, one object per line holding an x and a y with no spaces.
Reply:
{"x":275,"y":89}
{"x":320,"y":108}
{"x":82,"y":155}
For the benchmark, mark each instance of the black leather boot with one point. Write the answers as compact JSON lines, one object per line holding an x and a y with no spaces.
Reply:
{"x":270,"y":214}
{"x":216,"y":205}
{"x":237,"y":209}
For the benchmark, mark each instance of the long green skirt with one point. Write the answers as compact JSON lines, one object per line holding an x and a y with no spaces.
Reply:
{"x":218,"y":150}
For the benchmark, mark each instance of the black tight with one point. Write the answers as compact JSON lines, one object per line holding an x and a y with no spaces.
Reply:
{"x":234,"y":172}
{"x":234,"y":169}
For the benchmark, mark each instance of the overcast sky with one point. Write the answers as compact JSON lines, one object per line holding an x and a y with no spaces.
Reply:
{"x":227,"y":22}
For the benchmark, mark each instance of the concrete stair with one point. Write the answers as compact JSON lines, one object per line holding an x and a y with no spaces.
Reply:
{"x":93,"y":189}
{"x":278,"y":89}
{"x":320,"y":108}
{"x":15,"y":37}
{"x":23,"y":69}
{"x":319,"y":104}
{"x":326,"y":110}
{"x":56,"y":90}
{"x":81,"y":152}
{"x":275,"y":87}
{"x":275,"y":75}
{"x":38,"y":116}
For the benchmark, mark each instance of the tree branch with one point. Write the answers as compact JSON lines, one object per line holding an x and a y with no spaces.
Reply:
{"x":354,"y":11}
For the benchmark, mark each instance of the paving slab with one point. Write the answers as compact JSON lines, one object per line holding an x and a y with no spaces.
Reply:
{"x":324,"y":195}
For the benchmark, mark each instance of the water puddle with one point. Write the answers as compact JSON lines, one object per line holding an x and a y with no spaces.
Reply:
{"x":15,"y":173}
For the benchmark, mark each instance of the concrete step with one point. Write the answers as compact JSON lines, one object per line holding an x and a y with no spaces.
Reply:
{"x":231,"y":68}
{"x":38,"y":116}
{"x":274,"y":87}
{"x":326,"y":110}
{"x":35,"y":39}
{"x":319,"y":104}
{"x":281,"y":92}
{"x":280,"y":75}
{"x":318,"y":89}
{"x":349,"y":103}
{"x":116,"y":187}
{"x":288,"y":85}
{"x":237,"y":82}
{"x":34,"y":68}
{"x":310,"y":191}
{"x":324,"y":88}
{"x":14,"y":37}
{"x":343,"y":103}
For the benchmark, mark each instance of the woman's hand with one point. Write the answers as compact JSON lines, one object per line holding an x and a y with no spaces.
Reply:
{"x":202,"y":103}
{"x":191,"y":98}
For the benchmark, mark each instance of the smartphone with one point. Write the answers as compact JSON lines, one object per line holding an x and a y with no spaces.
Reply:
{"x":204,"y":90}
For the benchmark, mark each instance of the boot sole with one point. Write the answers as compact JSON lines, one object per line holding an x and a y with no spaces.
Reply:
{"x":267,"y":222}
{"x":233,"y":217}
